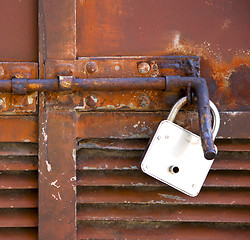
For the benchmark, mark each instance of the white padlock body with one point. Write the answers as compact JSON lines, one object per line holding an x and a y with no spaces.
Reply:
{"x":175,"y":157}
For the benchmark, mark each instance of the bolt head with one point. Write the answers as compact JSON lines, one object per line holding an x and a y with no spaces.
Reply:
{"x":117,"y":67}
{"x":91,"y":100}
{"x":91,"y":67}
{"x":144,"y":101}
{"x":143,"y":68}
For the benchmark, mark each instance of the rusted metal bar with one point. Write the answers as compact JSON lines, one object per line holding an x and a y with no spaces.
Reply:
{"x":200,"y":86}
{"x":57,"y":175}
{"x":74,"y":84}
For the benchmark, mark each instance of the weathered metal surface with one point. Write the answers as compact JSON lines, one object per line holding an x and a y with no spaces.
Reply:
{"x":18,"y":189}
{"x":14,"y":104}
{"x":137,"y":178}
{"x":18,"y":218}
{"x":150,"y":230}
{"x":77,"y":84}
{"x":18,"y":198}
{"x":160,"y":195}
{"x":18,"y":104}
{"x":18,"y":70}
{"x":145,"y":27}
{"x":143,"y":124}
{"x":18,"y":180}
{"x":112,"y":191}
{"x":128,"y":28}
{"x":18,"y":149}
{"x":22,"y":233}
{"x":239,"y":100}
{"x":18,"y":129}
{"x":18,"y":163}
{"x":19,"y":26}
{"x":57,"y":175}
{"x":140,"y":100}
{"x":212,"y":30}
{"x":143,"y":212}
{"x":94,"y":157}
{"x":58,"y":29}
{"x":123,"y":66}
{"x":227,"y":94}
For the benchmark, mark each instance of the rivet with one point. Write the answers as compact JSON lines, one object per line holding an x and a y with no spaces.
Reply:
{"x":1,"y":71}
{"x":91,"y":100}
{"x":144,"y":101}
{"x":117,"y":67}
{"x":91,"y":67}
{"x":143,"y":68}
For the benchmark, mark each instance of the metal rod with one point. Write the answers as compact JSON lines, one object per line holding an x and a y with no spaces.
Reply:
{"x":200,"y":86}
{"x":77,"y":84}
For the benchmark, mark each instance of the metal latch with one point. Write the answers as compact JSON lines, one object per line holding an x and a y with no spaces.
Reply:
{"x":69,"y":83}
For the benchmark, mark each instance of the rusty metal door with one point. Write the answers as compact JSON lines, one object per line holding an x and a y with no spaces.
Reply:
{"x":69,"y":159}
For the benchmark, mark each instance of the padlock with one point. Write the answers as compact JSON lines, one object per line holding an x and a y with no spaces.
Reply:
{"x":175,"y":156}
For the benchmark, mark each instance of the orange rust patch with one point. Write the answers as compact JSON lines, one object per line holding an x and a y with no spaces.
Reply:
{"x":221,"y":69}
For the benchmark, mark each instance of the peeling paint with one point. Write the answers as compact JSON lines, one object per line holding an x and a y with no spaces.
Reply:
{"x":81,"y":107}
{"x":59,"y":196}
{"x":74,"y":154}
{"x":3,"y":102}
{"x":48,"y":166}
{"x":53,"y":195}
{"x":171,"y":197}
{"x":54,"y":184}
{"x":73,"y":179}
{"x":45,"y":136}
{"x":30,"y":99}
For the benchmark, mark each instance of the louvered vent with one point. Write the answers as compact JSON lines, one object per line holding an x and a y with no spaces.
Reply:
{"x":116,"y":200}
{"x":18,"y":191}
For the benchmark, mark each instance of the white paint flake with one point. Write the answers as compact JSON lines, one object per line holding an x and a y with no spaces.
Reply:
{"x":72,"y":179}
{"x":45,"y":136}
{"x":48,"y":166}
{"x":54,"y":184}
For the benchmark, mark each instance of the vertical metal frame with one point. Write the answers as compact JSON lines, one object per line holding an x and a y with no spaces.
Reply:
{"x":57,"y":164}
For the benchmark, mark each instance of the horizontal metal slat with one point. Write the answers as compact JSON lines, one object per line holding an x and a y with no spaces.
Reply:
{"x":18,"y":149}
{"x":137,"y":178}
{"x":127,"y":144}
{"x":18,"y":198}
{"x":155,"y":230}
{"x":98,"y":159}
{"x":18,"y":218}
{"x":22,"y":233}
{"x":180,"y":213}
{"x":143,"y":124}
{"x":18,"y":163}
{"x":18,"y":129}
{"x":18,"y":180}
{"x":162,"y":195}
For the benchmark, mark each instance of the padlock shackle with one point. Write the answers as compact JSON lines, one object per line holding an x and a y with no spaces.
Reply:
{"x":200,"y":86}
{"x":183,"y":101}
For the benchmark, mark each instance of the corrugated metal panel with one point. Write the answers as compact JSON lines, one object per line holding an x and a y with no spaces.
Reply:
{"x":116,"y":200}
{"x":18,"y":191}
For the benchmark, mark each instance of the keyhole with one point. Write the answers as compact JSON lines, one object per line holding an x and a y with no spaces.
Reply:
{"x":174,"y":169}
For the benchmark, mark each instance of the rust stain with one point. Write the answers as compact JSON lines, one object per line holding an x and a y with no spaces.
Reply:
{"x":221,"y":70}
